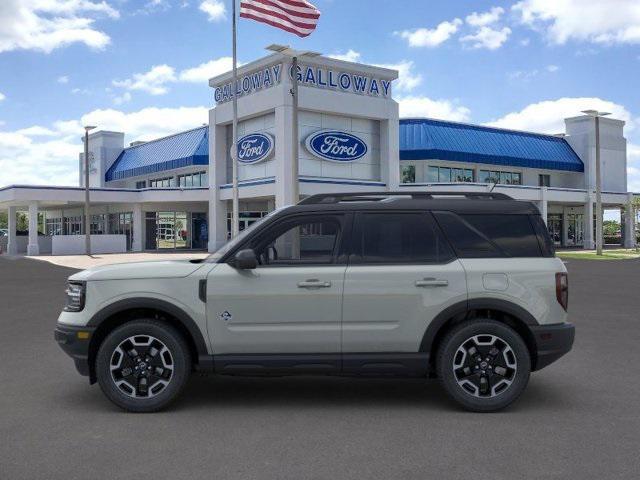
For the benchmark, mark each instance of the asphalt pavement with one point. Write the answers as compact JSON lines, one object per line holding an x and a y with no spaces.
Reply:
{"x":579,"y":418}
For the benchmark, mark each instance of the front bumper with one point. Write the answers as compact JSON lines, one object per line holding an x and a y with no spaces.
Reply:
{"x":552,"y":342}
{"x":75,"y":343}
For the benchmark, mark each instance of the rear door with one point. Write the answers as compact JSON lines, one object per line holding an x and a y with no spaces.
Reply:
{"x":401,"y":274}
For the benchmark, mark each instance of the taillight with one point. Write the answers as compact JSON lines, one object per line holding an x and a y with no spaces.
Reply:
{"x":562,"y":289}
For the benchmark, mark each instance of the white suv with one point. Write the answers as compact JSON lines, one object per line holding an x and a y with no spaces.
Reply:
{"x":464,"y":287}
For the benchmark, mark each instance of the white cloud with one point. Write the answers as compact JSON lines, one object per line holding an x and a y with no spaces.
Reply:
{"x":214,"y":9}
{"x":420,"y":106}
{"x":552,"y":68}
{"x":407,"y":78}
{"x":45,"y":25}
{"x":2,"y":96}
{"x":203,"y":72}
{"x":596,"y":21}
{"x":48,"y":155}
{"x":525,"y":42}
{"x":486,"y":18}
{"x":548,"y":116}
{"x":487,"y":37}
{"x":349,"y":56}
{"x":63,"y":79}
{"x":424,"y":37}
{"x":154,"y":81}
{"x":120,"y":99}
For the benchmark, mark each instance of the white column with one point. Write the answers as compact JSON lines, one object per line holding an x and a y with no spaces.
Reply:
{"x":542,"y":204}
{"x":629,"y":224}
{"x":284,"y":156}
{"x":589,"y":240}
{"x":138,"y":219}
{"x":218,"y":209}
{"x":565,"y":226}
{"x":33,"y":248}
{"x":390,"y":152}
{"x":12,"y":246}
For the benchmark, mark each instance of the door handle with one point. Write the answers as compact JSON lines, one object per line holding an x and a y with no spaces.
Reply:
{"x":314,"y":284}
{"x":432,"y":282}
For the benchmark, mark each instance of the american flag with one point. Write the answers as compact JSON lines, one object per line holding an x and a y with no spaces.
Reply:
{"x":294,"y":16}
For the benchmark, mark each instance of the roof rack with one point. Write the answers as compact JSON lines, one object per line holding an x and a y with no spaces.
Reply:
{"x":324,"y":198}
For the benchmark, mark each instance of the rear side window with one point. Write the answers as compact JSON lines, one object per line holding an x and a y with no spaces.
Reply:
{"x":544,"y":238}
{"x":513,"y":234}
{"x":488,"y":235}
{"x":399,"y":238}
{"x":467,"y":241}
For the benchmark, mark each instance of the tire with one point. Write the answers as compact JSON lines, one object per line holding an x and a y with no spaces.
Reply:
{"x":143,"y":365}
{"x":461,"y":369}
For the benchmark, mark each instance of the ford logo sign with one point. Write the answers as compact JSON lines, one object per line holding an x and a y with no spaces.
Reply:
{"x":336,"y":146}
{"x":255,"y":148}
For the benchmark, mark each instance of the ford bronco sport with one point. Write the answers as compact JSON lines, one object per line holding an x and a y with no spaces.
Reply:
{"x":462,"y":287}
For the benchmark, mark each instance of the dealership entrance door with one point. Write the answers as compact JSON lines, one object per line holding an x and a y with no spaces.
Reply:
{"x":176,"y":231}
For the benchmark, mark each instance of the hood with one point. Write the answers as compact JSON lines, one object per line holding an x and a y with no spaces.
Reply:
{"x":138,"y":270}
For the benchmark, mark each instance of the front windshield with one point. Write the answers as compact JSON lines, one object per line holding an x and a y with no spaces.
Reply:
{"x":231,"y":244}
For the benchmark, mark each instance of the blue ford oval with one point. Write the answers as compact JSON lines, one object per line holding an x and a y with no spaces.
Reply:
{"x":255,"y":147}
{"x":336,"y":146}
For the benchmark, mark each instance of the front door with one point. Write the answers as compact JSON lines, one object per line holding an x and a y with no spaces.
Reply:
{"x":291,"y":303}
{"x":401,"y":274}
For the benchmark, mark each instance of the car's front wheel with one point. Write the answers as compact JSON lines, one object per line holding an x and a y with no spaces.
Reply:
{"x":483,"y":364}
{"x":143,"y":365}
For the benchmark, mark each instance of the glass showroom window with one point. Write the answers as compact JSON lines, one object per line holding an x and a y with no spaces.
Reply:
{"x":162,"y":182}
{"x":98,"y":223}
{"x":408,"y":174}
{"x":73,"y":225}
{"x":54,"y":226}
{"x":504,"y":178}
{"x":446,"y":174}
{"x":142,"y":184}
{"x":198,"y":179}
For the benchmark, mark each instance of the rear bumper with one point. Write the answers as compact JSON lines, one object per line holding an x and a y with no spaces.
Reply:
{"x":552,"y":342}
{"x":74,"y":345}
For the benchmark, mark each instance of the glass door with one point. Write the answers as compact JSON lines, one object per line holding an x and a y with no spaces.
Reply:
{"x":554,"y":225}
{"x":166,"y":230}
{"x":575,"y":229}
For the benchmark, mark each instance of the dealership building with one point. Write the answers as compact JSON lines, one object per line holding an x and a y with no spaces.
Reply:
{"x":175,"y":193}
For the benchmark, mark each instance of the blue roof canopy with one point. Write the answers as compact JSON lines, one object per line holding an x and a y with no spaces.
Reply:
{"x":176,"y":151}
{"x":427,"y":139}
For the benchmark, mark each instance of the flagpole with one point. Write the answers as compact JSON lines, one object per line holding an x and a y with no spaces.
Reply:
{"x":235,"y":226}
{"x":295,"y":185}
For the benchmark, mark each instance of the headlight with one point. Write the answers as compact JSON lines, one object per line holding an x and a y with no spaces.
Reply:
{"x":75,"y":296}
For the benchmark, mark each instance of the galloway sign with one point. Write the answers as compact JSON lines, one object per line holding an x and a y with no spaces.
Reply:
{"x":336,"y":146}
{"x":328,"y":78}
{"x":255,"y":147}
{"x":248,"y":84}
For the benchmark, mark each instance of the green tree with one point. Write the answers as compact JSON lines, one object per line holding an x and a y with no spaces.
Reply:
{"x":3,"y":220}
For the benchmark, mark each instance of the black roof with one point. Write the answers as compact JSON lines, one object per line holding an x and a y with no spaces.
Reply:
{"x":458,"y":202}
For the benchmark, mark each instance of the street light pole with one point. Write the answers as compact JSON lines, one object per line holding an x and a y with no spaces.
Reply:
{"x":596,"y":115}
{"x":87,"y":216}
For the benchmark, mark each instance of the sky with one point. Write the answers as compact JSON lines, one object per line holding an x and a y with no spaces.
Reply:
{"x":141,"y":66}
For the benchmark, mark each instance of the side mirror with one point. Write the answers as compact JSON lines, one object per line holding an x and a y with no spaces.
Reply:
{"x":245,"y":260}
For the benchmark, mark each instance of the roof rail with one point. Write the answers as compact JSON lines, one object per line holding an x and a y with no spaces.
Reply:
{"x":324,"y":198}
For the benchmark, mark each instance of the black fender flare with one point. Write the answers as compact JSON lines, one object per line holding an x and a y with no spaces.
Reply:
{"x":156,"y":304}
{"x":462,"y":309}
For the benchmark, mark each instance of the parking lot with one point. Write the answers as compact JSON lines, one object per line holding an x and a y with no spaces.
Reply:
{"x":579,"y":418}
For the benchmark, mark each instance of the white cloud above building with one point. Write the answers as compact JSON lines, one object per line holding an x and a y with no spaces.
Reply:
{"x":46,"y":25}
{"x":431,"y":38}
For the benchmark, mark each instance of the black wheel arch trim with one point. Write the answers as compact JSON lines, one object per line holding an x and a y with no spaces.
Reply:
{"x":153,"y":304}
{"x":462,"y":309}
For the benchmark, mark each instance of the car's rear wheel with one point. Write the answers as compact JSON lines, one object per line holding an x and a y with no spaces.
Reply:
{"x":143,"y":365}
{"x":484,"y":365}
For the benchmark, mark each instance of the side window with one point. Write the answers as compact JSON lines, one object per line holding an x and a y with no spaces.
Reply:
{"x":300,"y":241}
{"x":513,"y":234}
{"x":544,"y":238}
{"x":467,"y":241}
{"x":399,"y":238}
